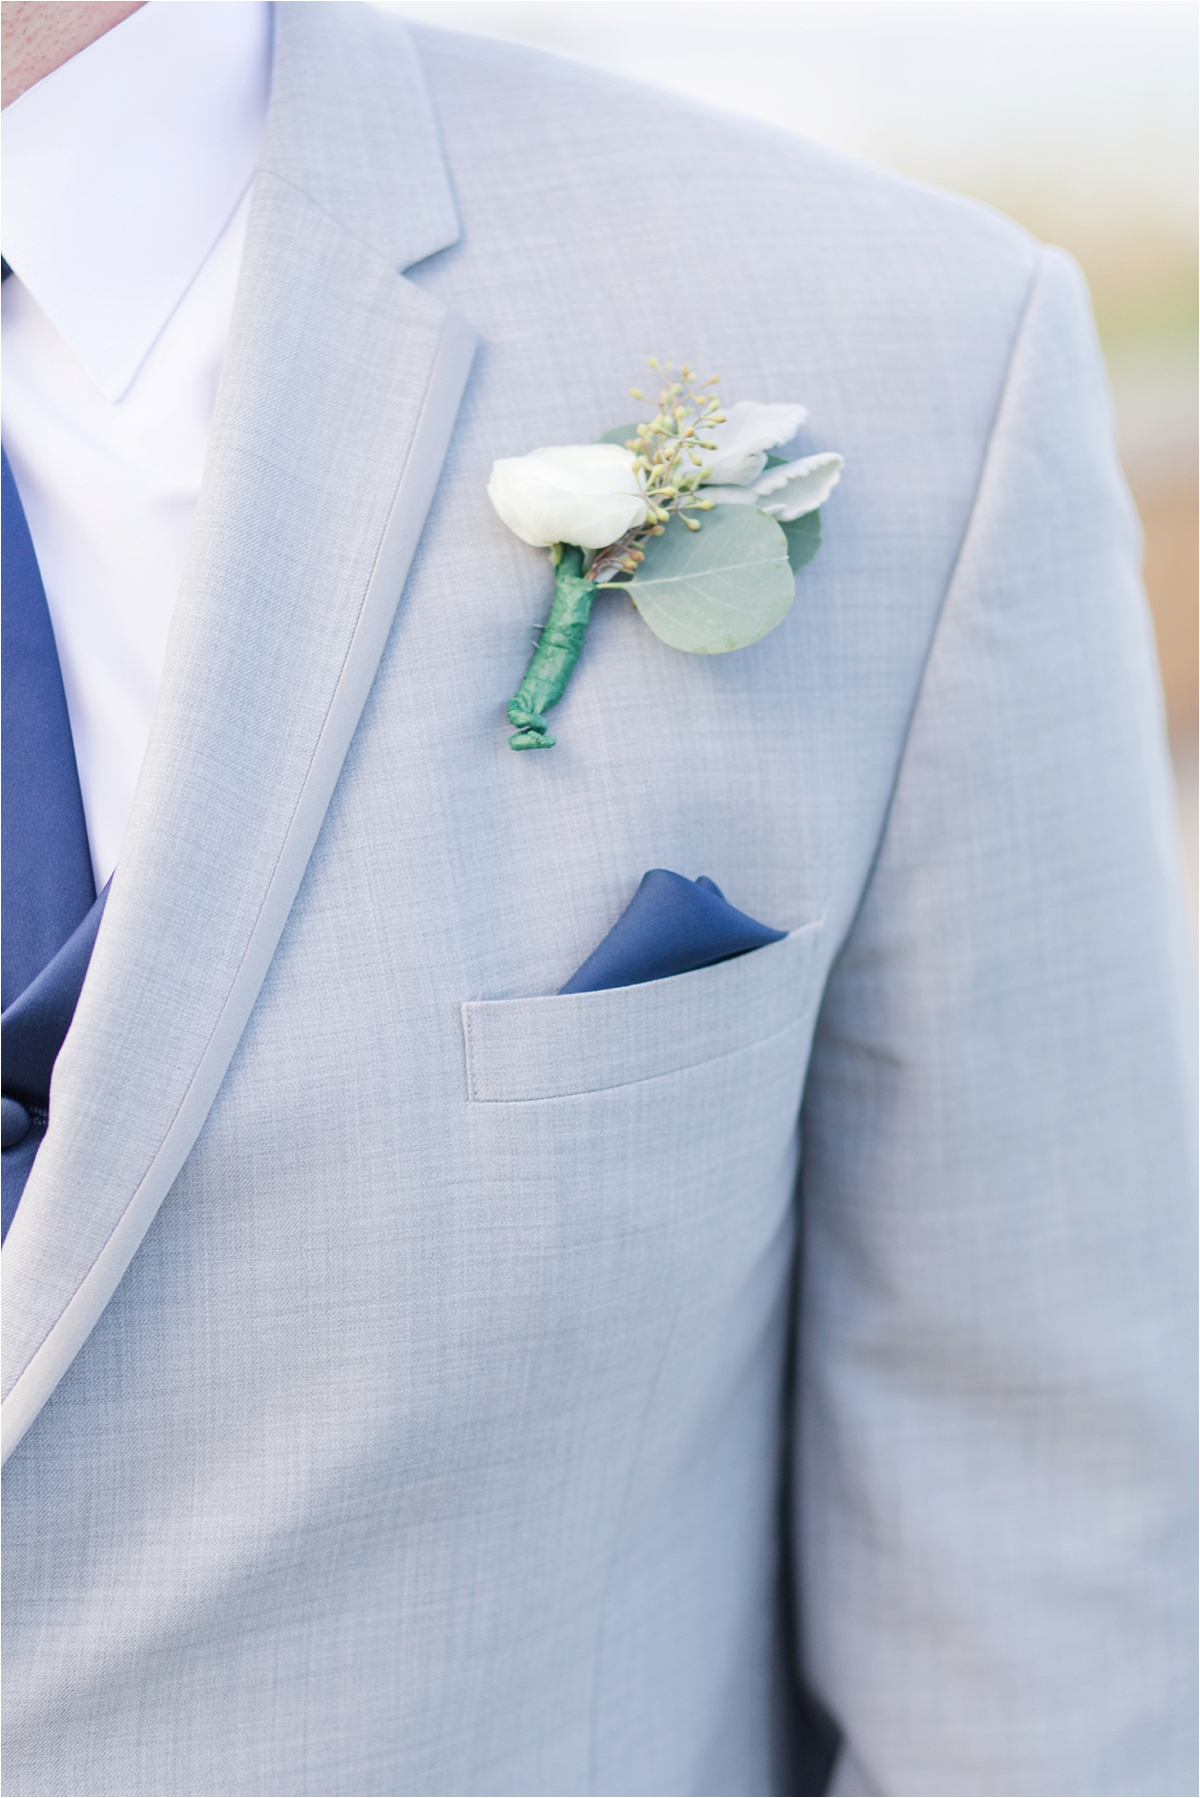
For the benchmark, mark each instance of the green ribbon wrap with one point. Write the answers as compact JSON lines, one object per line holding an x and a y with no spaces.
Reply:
{"x":557,"y":652}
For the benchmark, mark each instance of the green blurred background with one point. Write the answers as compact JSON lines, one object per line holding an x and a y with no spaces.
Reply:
{"x":1076,"y":117}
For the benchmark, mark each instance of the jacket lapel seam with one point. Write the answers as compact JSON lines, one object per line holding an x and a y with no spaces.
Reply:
{"x":340,"y":224}
{"x":450,"y":364}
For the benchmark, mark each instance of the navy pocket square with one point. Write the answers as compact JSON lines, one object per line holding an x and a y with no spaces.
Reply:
{"x":670,"y":926}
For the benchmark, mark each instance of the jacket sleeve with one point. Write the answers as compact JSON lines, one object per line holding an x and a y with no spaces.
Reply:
{"x":993,"y":1524}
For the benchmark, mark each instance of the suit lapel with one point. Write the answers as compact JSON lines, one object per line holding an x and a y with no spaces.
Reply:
{"x":340,"y":389}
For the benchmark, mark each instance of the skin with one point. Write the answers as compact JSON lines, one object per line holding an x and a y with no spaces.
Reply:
{"x":38,"y":36}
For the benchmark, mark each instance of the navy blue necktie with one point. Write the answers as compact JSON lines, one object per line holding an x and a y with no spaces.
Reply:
{"x":50,"y":909}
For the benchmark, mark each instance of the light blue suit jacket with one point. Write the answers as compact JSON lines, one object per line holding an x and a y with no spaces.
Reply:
{"x":413,"y":1385}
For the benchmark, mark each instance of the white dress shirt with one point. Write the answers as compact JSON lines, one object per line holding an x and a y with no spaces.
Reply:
{"x":127,"y":177}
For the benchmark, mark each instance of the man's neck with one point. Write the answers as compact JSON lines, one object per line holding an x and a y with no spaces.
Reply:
{"x":38,"y":36}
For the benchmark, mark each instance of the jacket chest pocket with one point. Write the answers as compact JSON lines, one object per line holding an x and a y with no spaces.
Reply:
{"x":643,"y":1139}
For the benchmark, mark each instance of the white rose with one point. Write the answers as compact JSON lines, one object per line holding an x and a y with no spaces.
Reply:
{"x":587,"y":494}
{"x":787,"y":491}
{"x":749,"y":431}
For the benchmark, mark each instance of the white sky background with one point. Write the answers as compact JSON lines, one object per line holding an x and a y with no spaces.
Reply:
{"x":1097,"y":97}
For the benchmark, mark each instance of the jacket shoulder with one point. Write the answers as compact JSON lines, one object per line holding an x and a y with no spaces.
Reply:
{"x":538,"y":116}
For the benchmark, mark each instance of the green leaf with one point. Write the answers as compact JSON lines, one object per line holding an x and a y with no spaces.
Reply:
{"x":803,"y":539}
{"x":622,"y":434}
{"x":718,"y":588}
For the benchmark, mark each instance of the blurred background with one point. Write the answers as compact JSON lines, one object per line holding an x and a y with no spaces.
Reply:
{"x":1076,"y":117}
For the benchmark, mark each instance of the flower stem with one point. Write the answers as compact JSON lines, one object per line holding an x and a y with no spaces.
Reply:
{"x":557,"y":652}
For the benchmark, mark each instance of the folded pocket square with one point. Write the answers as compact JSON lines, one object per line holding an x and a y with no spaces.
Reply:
{"x":670,"y":926}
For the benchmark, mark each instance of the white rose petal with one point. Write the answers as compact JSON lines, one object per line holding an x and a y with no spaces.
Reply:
{"x":749,"y":431}
{"x":587,"y":494}
{"x":795,"y":488}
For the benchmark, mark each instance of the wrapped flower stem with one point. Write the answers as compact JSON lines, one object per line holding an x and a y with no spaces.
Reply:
{"x":557,"y":652}
{"x":707,"y":584}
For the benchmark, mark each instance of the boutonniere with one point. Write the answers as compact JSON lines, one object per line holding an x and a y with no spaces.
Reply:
{"x":689,"y":513}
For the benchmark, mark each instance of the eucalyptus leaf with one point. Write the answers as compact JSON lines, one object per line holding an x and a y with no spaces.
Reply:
{"x":716,"y":589}
{"x":622,"y":434}
{"x":803,"y":539}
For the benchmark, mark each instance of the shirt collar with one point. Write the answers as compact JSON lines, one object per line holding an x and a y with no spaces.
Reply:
{"x":123,"y":167}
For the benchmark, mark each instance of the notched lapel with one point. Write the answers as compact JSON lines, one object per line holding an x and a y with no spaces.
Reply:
{"x":341,"y":384}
